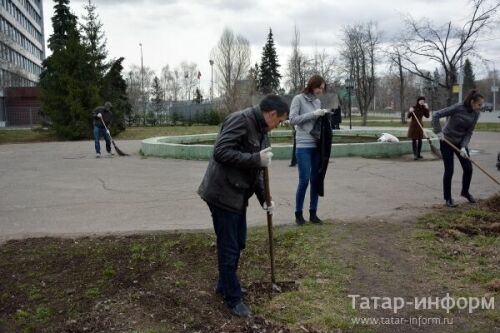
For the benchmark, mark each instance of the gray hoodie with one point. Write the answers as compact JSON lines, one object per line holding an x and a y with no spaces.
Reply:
{"x":461,"y":122}
{"x":302,"y":117}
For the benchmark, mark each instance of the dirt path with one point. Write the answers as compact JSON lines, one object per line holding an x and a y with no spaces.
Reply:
{"x":388,"y":261}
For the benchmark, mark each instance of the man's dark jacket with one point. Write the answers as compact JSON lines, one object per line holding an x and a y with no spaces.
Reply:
{"x":234,"y":173}
{"x":106,"y":116}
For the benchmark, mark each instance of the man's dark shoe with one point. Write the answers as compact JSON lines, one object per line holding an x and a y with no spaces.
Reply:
{"x":314,"y":218}
{"x":241,"y":310}
{"x":299,"y":218}
{"x":450,"y":203}
{"x":469,"y":197}
{"x":244,"y":291}
{"x":420,"y":157}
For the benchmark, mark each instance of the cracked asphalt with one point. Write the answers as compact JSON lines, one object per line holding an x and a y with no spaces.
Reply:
{"x":61,"y":189}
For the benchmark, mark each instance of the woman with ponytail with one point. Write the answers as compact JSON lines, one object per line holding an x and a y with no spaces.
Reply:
{"x":462,"y":118}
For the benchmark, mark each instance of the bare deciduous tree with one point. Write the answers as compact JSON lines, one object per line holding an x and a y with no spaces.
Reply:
{"x":171,"y":83}
{"x":323,"y":64}
{"x":232,"y":61}
{"x":395,"y":58}
{"x":446,"y":44}
{"x":189,"y":79}
{"x":297,"y":66}
{"x":359,"y":54}
{"x":139,"y":89}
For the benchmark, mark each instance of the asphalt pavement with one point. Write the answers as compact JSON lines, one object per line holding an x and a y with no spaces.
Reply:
{"x":61,"y":189}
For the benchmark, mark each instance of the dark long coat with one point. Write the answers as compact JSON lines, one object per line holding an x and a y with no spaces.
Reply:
{"x":414,"y":131}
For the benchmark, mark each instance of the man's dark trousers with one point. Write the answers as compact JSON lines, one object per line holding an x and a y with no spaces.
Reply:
{"x":231,"y":231}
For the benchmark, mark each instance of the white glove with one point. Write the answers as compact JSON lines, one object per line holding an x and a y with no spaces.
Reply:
{"x":463,"y":152}
{"x":99,"y":115}
{"x":320,"y":112}
{"x":412,"y":109}
{"x":107,"y":132}
{"x":440,"y":136}
{"x":265,"y":157}
{"x":426,"y":106}
{"x":269,"y":209}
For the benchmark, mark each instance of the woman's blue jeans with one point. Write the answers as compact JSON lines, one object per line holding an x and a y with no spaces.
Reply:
{"x":308,"y":162}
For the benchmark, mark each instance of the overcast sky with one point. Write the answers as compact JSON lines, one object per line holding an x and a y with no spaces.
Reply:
{"x":172,"y":31}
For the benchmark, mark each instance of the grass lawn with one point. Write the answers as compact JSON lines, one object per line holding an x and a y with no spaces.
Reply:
{"x":25,"y":136}
{"x":140,"y":133}
{"x":465,"y":243}
{"x":165,"y":282}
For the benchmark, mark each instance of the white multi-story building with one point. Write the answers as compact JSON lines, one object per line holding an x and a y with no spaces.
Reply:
{"x":22,"y":43}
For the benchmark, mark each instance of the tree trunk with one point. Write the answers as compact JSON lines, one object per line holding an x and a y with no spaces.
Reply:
{"x":401,"y":91}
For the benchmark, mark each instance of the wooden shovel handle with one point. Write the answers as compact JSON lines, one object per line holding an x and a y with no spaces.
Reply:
{"x":267,"y":192}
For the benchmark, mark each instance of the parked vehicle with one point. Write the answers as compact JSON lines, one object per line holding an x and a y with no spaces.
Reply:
{"x":487,"y":107}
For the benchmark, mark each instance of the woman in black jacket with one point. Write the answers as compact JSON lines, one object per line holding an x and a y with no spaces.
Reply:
{"x":462,"y":118}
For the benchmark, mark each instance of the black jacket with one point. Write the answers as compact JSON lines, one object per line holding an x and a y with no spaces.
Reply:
{"x":325,"y":148}
{"x":322,"y":132}
{"x":336,"y":118}
{"x":460,"y":124}
{"x":234,"y":174}
{"x":107,"y":116}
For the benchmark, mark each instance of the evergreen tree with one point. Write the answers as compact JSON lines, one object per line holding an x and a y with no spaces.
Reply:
{"x":62,"y":23}
{"x":253,"y":76}
{"x":114,"y":90}
{"x":156,"y":101}
{"x":469,"y":77}
{"x":67,"y":95}
{"x":198,"y":97}
{"x":269,"y":77}
{"x":95,"y":40}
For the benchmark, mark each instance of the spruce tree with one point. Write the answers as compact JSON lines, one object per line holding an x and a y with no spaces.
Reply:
{"x":114,"y":90}
{"x":469,"y":77}
{"x":67,"y":96}
{"x":95,"y":40}
{"x":198,"y":97}
{"x":68,"y":92}
{"x":63,"y":22}
{"x":269,"y":77}
{"x":253,"y":76}
{"x":156,"y":101}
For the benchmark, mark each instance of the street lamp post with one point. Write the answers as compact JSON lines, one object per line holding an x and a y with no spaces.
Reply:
{"x":434,"y":84}
{"x":211,"y":80}
{"x":349,"y":84}
{"x":142,"y":89}
{"x":494,"y":88}
{"x":461,"y":71}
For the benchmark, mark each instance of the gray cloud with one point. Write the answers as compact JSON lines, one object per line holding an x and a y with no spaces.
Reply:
{"x":176,"y":30}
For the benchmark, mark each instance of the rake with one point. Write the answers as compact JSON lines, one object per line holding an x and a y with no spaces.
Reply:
{"x":118,"y":150}
{"x":434,"y":150}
